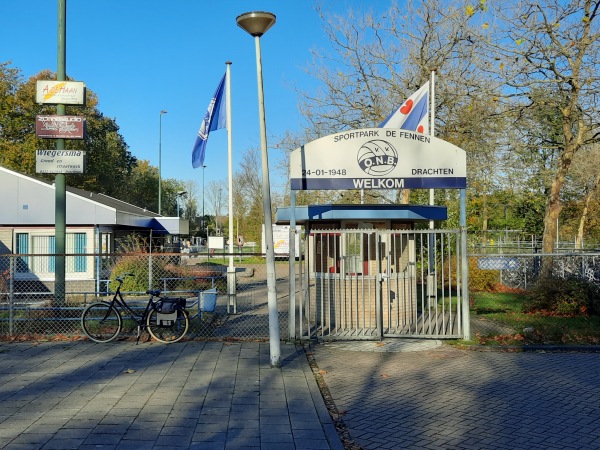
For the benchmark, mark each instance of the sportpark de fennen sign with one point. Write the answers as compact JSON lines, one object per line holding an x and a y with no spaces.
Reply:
{"x":378,"y":158}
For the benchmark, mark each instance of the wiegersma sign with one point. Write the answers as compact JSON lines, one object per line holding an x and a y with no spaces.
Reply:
{"x":59,"y":161}
{"x":378,"y":158}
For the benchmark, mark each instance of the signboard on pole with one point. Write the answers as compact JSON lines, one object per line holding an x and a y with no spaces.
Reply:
{"x":378,"y":158}
{"x":60,"y":92}
{"x":60,"y":161}
{"x":65,"y":127}
{"x":216,"y":242}
{"x":281,"y":239}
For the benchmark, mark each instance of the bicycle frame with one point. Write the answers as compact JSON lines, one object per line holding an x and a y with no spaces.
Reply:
{"x":118,"y":301}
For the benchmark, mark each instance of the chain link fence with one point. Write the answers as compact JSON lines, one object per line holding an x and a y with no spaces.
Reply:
{"x":522,"y":270}
{"x":30,"y":307}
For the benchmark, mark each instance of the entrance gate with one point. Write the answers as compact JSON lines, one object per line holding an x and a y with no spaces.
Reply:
{"x":370,"y":284}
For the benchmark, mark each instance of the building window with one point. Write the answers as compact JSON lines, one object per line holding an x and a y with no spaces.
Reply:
{"x":41,"y":249}
{"x":76,"y":243}
{"x":22,"y":249}
{"x":43,"y":261}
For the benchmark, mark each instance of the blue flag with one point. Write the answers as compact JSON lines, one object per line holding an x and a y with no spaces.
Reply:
{"x":214,"y":119}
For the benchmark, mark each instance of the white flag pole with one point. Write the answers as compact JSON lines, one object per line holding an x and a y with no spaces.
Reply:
{"x":231,"y":282}
{"x":432,"y":132}
{"x":431,"y":277}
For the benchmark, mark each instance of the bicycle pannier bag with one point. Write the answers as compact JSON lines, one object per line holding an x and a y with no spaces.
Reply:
{"x":169,"y":305}
{"x":167,"y":309}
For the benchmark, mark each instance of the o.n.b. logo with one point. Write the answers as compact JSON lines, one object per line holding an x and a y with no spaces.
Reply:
{"x":377,"y":157}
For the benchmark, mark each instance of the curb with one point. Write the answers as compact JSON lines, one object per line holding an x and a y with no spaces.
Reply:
{"x":534,"y":348}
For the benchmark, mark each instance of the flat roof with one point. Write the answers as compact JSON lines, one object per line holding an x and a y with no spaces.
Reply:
{"x":310,"y":213}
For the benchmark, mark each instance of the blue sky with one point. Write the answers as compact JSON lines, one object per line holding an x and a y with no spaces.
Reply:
{"x":143,"y":56}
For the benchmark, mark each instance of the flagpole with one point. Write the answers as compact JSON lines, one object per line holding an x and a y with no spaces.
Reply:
{"x":231,"y":282}
{"x":432,"y":128}
{"x":431,"y":277}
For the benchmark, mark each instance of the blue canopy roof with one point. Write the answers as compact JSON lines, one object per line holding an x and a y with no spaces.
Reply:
{"x":361,"y":212}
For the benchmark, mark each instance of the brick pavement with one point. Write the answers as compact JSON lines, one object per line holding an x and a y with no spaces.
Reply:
{"x":444,"y":398}
{"x":208,"y":395}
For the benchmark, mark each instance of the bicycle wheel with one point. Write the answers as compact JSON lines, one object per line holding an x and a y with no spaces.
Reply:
{"x":167,"y":328}
{"x":101,"y":322}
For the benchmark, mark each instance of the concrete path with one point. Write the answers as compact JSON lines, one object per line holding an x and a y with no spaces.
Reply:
{"x":205,"y":395}
{"x":441,"y":398}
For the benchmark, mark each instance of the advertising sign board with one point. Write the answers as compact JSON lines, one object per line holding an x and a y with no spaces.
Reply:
{"x":378,"y":158}
{"x":216,"y":242}
{"x":60,"y":92}
{"x":66,"y":127}
{"x":281,"y":239}
{"x":60,"y":161}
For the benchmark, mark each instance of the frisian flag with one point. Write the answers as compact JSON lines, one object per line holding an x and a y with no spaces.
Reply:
{"x":214,"y":119}
{"x":413,"y":114}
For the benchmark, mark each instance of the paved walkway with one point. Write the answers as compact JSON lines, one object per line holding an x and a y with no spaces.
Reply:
{"x":400,"y":396}
{"x":205,"y":395}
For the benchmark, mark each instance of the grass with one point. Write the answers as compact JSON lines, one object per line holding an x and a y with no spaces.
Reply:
{"x":535,"y":328}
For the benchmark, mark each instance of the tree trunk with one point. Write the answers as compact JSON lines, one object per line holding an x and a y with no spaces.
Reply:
{"x":403,"y":197}
{"x":484,"y":225}
{"x":554,"y":205}
{"x":584,"y":213}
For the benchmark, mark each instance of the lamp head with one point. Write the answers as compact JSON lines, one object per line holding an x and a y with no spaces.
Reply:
{"x":256,"y":23}
{"x":164,"y":111}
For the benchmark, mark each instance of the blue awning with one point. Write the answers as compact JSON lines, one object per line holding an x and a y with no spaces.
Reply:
{"x":415,"y":213}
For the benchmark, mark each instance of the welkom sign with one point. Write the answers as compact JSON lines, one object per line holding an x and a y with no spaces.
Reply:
{"x":378,"y":158}
{"x":383,"y":158}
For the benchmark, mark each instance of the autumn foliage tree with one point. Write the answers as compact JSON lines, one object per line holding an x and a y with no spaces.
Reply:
{"x":111,"y":168}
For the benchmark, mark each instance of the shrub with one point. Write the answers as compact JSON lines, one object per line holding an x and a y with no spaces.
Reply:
{"x":570,"y":296}
{"x":197,"y":278}
{"x":479,"y":280}
{"x":482,"y":280}
{"x":138,"y":266}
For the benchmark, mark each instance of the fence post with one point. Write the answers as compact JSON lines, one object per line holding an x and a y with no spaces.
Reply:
{"x":11,"y":296}
{"x":465,"y":265}
{"x":379,"y":286}
{"x":150,"y":271}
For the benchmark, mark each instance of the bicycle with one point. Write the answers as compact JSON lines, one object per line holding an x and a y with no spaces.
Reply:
{"x":166,"y":319}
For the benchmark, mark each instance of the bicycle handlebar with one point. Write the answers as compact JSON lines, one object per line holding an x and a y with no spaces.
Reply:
{"x":121,"y":278}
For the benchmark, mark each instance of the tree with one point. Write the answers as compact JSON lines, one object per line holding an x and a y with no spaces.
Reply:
{"x":216,"y":193}
{"x":142,"y":188}
{"x":247,"y":196}
{"x":170,"y":188}
{"x":377,"y":61}
{"x":18,"y":140}
{"x":586,"y":172}
{"x":10,"y":135}
{"x":547,"y":46}
{"x":109,"y":162}
{"x":189,"y":206}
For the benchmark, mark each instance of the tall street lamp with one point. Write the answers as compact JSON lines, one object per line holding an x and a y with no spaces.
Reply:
{"x":180,"y":194}
{"x":159,"y":161}
{"x":256,"y":24}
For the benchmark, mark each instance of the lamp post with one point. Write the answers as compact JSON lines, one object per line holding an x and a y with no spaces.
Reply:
{"x":256,"y":24}
{"x":163,"y":111}
{"x":179,"y":195}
